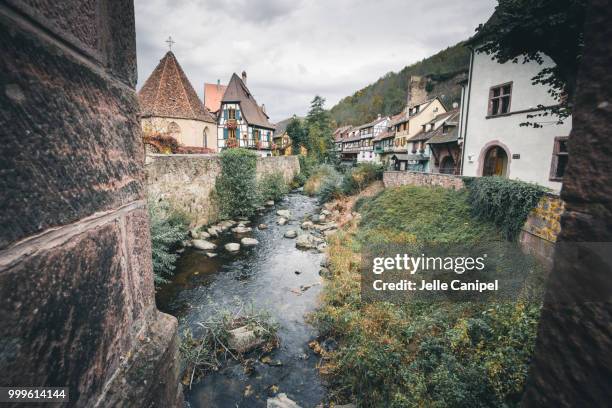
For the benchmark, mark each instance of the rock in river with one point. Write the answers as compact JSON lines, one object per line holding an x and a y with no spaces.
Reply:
{"x":307,"y":241}
{"x":243,"y":339}
{"x":307,"y":225}
{"x":262,"y":226}
{"x":270,"y":203}
{"x":281,"y":401}
{"x":290,"y":233}
{"x":242,"y":229}
{"x":249,"y":242}
{"x":202,"y":244}
{"x":232,"y":247}
{"x":284,"y":213}
{"x":281,"y":221}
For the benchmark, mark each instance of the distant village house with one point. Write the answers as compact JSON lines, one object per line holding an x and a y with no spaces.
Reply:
{"x":241,"y":121}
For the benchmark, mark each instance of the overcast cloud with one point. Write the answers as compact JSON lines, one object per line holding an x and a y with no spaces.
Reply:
{"x":294,"y":49}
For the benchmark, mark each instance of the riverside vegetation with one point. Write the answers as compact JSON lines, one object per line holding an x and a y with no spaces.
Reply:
{"x":436,"y":354}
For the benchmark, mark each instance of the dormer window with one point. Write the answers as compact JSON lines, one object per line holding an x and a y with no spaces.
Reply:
{"x":231,"y":113}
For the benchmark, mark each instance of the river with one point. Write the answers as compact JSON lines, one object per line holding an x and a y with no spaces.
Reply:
{"x":262,"y":276}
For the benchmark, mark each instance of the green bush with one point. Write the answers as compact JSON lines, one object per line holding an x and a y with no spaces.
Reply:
{"x":505,"y":202}
{"x":358,"y":178}
{"x":168,"y":228}
{"x":236,"y":187}
{"x":299,"y":180}
{"x":273,"y":187}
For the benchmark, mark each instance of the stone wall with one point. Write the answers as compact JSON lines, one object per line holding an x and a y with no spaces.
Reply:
{"x":77,"y":306}
{"x":187,"y":181}
{"x":540,"y":231}
{"x":542,"y":227}
{"x":415,"y":178}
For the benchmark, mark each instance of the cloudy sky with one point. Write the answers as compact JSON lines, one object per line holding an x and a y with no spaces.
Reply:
{"x":294,"y":49}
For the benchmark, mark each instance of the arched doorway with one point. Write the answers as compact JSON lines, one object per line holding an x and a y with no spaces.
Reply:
{"x":447,"y":166}
{"x":495,"y":162}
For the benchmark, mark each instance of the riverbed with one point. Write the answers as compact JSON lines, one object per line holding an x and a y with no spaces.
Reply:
{"x":263,"y":277}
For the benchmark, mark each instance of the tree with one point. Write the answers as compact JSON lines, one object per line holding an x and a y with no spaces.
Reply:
{"x":521,"y":30}
{"x":296,"y":132}
{"x":318,"y":122}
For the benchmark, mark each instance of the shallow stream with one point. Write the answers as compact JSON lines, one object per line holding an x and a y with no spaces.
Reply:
{"x":262,"y":276}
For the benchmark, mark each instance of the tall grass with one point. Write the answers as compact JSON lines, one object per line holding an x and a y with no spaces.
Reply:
{"x":434,"y":354}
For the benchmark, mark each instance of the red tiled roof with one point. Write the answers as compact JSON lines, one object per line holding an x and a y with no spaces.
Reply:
{"x":168,"y":93}
{"x":213,"y":93}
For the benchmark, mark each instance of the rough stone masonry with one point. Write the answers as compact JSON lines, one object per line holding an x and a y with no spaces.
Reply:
{"x":77,"y":305}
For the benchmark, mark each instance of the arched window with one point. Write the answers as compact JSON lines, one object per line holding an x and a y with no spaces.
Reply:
{"x":495,"y":162}
{"x":205,"y":137}
{"x":174,"y":129}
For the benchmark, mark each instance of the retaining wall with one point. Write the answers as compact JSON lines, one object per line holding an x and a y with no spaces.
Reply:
{"x":187,"y":181}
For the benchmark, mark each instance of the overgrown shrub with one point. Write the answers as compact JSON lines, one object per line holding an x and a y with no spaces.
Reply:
{"x":358,"y":178}
{"x":299,"y":180}
{"x":236,"y":186}
{"x":272,"y":186}
{"x":505,"y":202}
{"x":168,"y":228}
{"x":325,"y":182}
{"x":307,"y":165}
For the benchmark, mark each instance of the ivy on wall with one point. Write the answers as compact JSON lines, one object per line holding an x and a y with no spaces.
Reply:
{"x":505,"y":202}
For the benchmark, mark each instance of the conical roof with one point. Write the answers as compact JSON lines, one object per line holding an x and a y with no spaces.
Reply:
{"x":168,"y":93}
{"x":238,"y":92}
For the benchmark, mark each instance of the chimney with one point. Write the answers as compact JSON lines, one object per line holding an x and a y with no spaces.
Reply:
{"x":218,"y":84}
{"x":244,"y":77}
{"x":416,"y":91}
{"x":263,"y":107}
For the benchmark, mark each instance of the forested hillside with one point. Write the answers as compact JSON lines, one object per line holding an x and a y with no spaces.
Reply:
{"x":388,"y":94}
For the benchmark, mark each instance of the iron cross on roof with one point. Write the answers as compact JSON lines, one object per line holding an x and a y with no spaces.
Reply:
{"x":170,"y":42}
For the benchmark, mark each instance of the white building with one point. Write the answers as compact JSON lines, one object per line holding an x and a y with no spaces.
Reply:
{"x":241,"y":122}
{"x":495,"y":101}
{"x":367,"y":133}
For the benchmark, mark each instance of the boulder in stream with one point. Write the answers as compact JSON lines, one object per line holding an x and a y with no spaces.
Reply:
{"x":203,"y":245}
{"x":241,"y":229}
{"x":244,"y":339}
{"x":247,"y":242}
{"x":284,"y":213}
{"x":262,"y":226}
{"x":290,"y":233}
{"x":281,"y":221}
{"x":281,"y":401}
{"x":270,"y":203}
{"x":232,"y":247}
{"x":307,"y":225}
{"x":306,"y":241}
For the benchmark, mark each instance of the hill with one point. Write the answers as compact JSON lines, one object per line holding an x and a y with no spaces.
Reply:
{"x":282,"y":125}
{"x":388,"y":94}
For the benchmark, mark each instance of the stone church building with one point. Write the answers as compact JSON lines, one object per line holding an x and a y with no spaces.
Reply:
{"x":170,"y":105}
